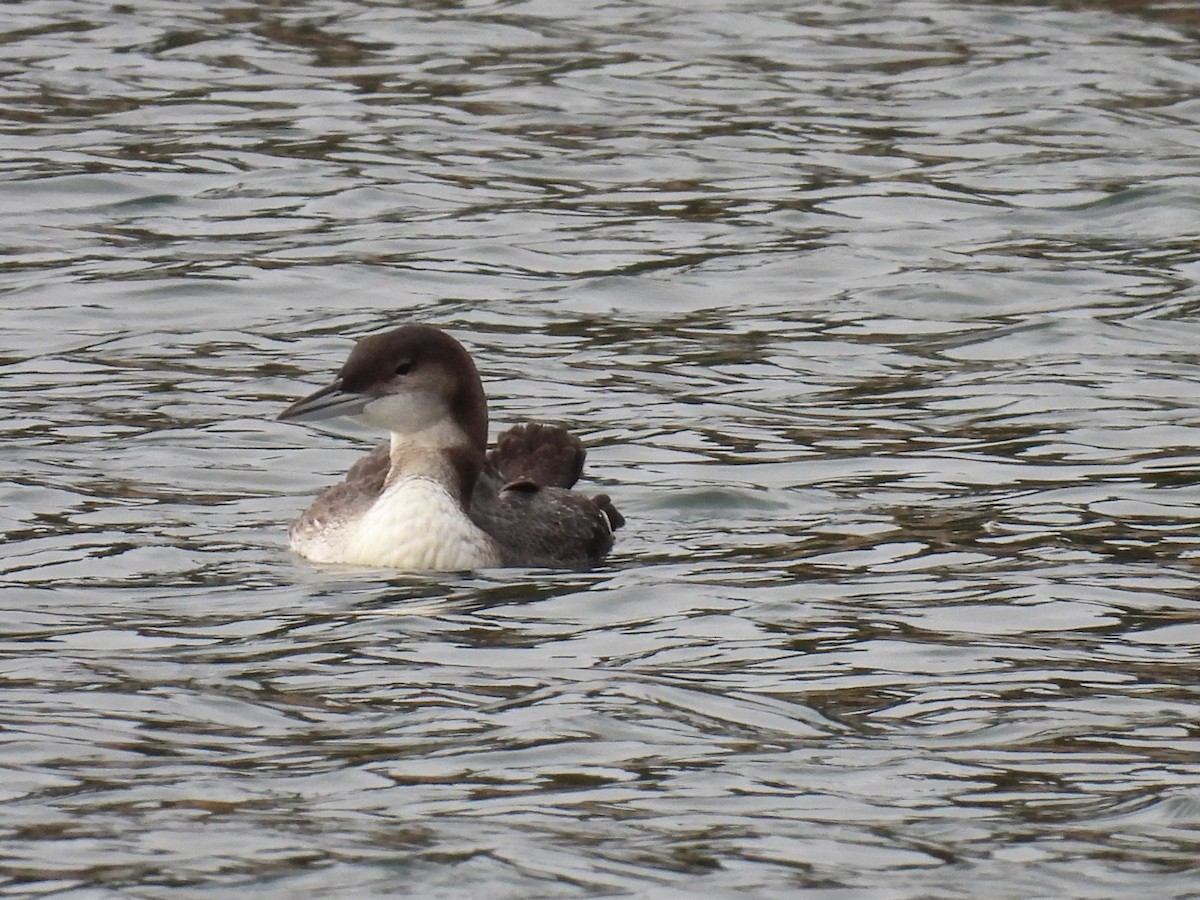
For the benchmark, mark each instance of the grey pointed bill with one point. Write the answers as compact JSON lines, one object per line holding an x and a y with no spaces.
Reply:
{"x":327,"y":403}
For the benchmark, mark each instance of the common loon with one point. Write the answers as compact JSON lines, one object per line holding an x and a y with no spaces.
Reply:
{"x":435,"y":498}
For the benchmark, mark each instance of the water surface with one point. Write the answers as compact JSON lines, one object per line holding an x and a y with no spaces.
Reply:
{"x":880,"y":323}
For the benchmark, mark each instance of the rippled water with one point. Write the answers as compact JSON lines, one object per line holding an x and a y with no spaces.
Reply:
{"x":881,"y":321}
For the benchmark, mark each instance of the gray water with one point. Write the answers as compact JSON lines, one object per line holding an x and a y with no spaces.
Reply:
{"x":880,"y":322}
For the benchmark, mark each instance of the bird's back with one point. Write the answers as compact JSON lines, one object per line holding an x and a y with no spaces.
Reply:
{"x":523,"y":499}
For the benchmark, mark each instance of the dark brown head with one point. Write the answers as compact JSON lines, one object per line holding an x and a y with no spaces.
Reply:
{"x":416,"y":382}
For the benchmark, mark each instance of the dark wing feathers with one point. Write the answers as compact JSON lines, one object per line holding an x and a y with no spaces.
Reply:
{"x":372,"y":469}
{"x":544,"y":454}
{"x":549,"y":527}
{"x":605,"y":505}
{"x":523,"y":500}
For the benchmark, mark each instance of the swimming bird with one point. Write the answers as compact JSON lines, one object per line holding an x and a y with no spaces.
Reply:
{"x":434,"y":498}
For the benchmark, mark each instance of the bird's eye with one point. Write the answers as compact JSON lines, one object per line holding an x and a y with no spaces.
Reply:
{"x":404,"y":368}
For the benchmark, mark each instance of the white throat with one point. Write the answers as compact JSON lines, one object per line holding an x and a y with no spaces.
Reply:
{"x":420,"y":416}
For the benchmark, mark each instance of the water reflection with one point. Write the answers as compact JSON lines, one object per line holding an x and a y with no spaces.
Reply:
{"x":879,"y":323}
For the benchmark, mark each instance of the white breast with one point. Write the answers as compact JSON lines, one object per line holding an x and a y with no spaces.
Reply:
{"x":415,"y":525}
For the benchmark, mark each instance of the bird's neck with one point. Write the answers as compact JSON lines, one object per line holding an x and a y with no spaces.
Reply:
{"x":454,"y":464}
